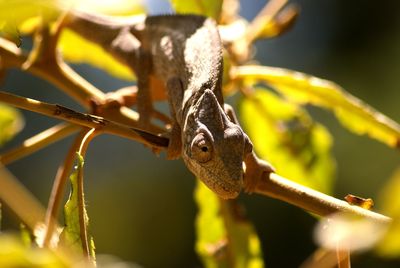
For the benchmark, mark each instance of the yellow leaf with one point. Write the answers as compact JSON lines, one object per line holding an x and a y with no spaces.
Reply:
{"x":389,"y":201}
{"x":11,"y":122}
{"x":76,"y":49}
{"x":284,"y":134}
{"x":26,"y":15}
{"x":210,"y":229}
{"x":355,"y":115}
{"x":13,"y":253}
{"x":14,"y":12}
{"x":224,"y":238}
{"x":209,"y":8}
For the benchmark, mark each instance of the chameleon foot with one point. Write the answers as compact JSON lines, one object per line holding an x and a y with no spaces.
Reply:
{"x":175,"y":144}
{"x":256,"y":169}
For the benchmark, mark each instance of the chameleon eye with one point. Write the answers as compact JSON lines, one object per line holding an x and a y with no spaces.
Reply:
{"x":201,"y":148}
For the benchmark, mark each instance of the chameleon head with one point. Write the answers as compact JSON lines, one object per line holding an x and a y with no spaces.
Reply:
{"x":214,"y":147}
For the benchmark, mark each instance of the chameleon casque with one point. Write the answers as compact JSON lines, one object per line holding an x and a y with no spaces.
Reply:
{"x":179,"y":58}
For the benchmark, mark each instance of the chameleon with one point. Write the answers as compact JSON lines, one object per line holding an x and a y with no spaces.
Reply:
{"x":180,"y":58}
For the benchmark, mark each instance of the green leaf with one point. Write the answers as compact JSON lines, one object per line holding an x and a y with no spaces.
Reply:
{"x":224,"y":239}
{"x":355,"y":115}
{"x":285,"y":135}
{"x":74,"y":209}
{"x":11,"y":122}
{"x":389,"y":201}
{"x":208,"y":8}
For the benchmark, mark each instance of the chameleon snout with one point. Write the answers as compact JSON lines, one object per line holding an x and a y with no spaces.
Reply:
{"x":226,"y":183}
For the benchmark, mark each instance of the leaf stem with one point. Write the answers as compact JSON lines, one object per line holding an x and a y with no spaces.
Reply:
{"x":83,"y":220}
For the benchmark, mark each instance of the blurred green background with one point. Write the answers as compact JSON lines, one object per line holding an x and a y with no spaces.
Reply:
{"x":141,"y":206}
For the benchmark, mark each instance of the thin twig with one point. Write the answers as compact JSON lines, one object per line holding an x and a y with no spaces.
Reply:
{"x":343,"y":257}
{"x":313,"y":201}
{"x":81,"y":200}
{"x":38,"y":142}
{"x":57,"y":73}
{"x":62,"y":76}
{"x":270,"y":10}
{"x":320,"y":258}
{"x":86,"y":120}
{"x":20,"y":200}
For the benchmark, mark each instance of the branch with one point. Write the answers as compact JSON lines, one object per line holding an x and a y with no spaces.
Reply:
{"x":313,"y":201}
{"x":86,"y":120}
{"x":57,"y":72}
{"x":275,"y":186}
{"x":61,"y":75}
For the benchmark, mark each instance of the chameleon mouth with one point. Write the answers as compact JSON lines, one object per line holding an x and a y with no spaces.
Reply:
{"x":226,"y":189}
{"x":227,"y":193}
{"x":226,"y":186}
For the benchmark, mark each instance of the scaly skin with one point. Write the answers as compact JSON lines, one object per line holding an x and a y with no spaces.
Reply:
{"x":182,"y":56}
